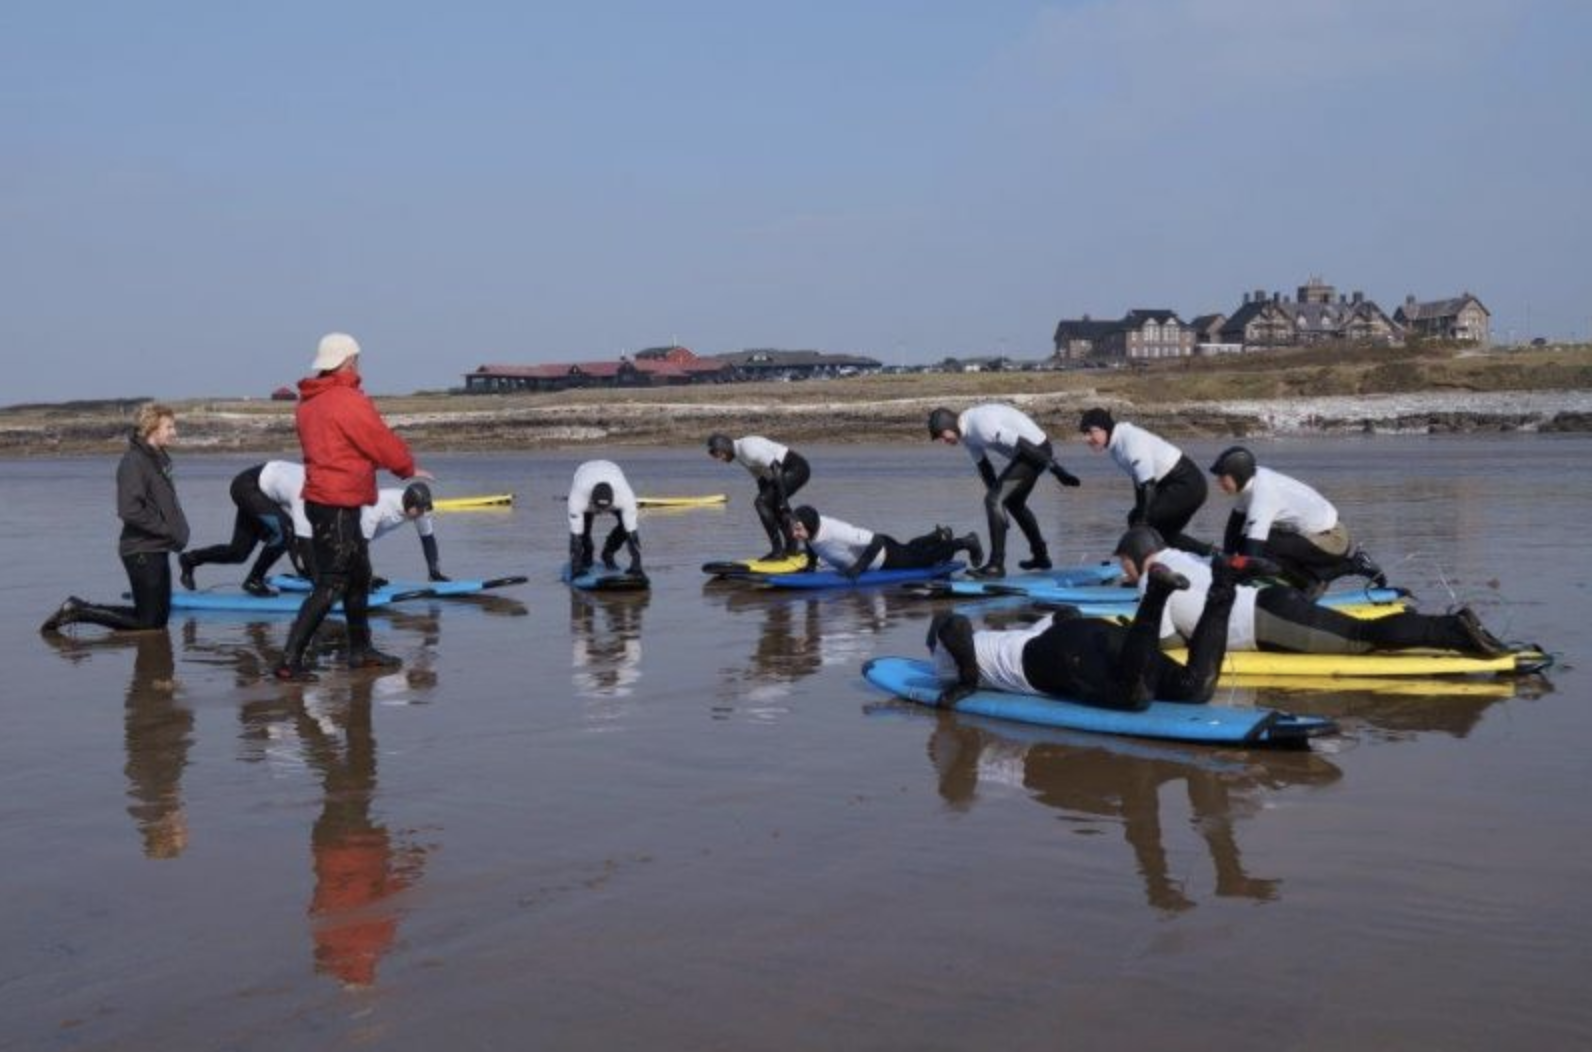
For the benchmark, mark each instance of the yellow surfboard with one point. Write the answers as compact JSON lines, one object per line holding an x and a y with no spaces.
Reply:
{"x":1401,"y":663}
{"x":753,"y":567}
{"x":682,"y":502}
{"x":493,"y":500}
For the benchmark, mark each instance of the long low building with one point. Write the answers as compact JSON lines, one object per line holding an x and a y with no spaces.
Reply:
{"x":661,"y":366}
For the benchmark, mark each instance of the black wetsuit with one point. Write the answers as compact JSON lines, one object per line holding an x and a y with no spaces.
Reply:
{"x":259,"y":520}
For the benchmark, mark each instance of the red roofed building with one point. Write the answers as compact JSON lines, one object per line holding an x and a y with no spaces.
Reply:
{"x":655,"y":366}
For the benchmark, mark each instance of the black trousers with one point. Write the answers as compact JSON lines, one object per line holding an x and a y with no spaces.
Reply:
{"x":1009,"y":496}
{"x":260,"y":520}
{"x":149,"y":574}
{"x":1177,"y":497}
{"x":1287,"y":620}
{"x":774,"y":513}
{"x":931,"y":549}
{"x":1102,"y":663}
{"x":342,"y":572}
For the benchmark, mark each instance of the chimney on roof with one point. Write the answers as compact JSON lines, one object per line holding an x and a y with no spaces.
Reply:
{"x":1246,"y":299}
{"x":1086,"y":316}
{"x":1260,"y":295}
{"x":1358,"y":297}
{"x":1276,"y":297}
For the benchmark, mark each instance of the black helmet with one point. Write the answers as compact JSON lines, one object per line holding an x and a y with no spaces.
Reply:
{"x":721,"y":445}
{"x":941,"y":421}
{"x":807,"y":515}
{"x":602,"y":496}
{"x":417,"y":495}
{"x":1237,"y":462}
{"x":1096,"y":417}
{"x":1139,"y":543}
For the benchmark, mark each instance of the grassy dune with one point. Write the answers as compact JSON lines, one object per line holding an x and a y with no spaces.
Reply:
{"x":860,"y":408}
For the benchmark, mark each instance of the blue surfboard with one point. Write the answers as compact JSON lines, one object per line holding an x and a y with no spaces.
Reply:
{"x":1070,"y":577}
{"x":286,"y":603}
{"x":601,"y":579}
{"x":294,"y":583}
{"x":835,"y":579}
{"x":1215,"y":724}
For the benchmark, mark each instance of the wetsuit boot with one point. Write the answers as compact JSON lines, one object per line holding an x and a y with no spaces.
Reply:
{"x":1040,"y":560}
{"x":362,"y":654}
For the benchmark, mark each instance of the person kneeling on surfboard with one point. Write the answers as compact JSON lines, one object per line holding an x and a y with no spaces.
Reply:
{"x":1280,"y":618}
{"x":1009,"y":433}
{"x":1280,"y":518}
{"x":1090,"y":660}
{"x":599,"y":488}
{"x":852,"y":549}
{"x":780,"y":472}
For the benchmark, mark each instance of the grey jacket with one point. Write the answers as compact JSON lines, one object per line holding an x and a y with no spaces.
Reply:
{"x":146,"y":502}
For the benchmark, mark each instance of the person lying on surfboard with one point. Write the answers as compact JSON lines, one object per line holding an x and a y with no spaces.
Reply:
{"x":600,"y":488}
{"x":852,"y":549}
{"x":780,"y":471}
{"x":1093,"y":661}
{"x":1280,"y":618}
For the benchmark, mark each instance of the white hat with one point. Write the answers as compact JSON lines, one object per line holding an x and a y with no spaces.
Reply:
{"x":335,"y":349}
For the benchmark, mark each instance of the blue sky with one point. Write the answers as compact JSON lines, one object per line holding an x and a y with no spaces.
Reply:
{"x":191,"y":194}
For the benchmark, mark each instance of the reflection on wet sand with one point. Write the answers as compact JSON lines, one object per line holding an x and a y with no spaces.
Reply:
{"x":360,"y":866}
{"x":158,"y":734}
{"x":1120,"y":781}
{"x":1399,"y":707}
{"x":605,"y":633}
{"x":802,"y":633}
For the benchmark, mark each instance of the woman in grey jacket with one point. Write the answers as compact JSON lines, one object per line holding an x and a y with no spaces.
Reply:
{"x":153,"y":526}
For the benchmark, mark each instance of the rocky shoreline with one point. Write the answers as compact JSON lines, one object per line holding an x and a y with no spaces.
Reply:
{"x":479,"y":423}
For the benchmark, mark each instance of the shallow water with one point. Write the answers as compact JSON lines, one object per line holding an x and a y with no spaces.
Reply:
{"x":682,"y":820}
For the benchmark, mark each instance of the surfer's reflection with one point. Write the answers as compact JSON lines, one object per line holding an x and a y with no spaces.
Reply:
{"x":605,"y":634}
{"x":158,"y":731}
{"x":360,"y":866}
{"x":1120,"y":781}
{"x":800,"y":634}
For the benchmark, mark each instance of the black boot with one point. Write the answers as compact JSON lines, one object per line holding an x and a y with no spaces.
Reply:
{"x":65,"y":615}
{"x":259,"y":589}
{"x":973,"y":547}
{"x":1040,"y":560}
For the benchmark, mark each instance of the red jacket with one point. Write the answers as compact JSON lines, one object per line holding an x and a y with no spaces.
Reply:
{"x":345,"y":440}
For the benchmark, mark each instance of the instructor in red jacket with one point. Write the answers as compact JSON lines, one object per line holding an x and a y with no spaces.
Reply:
{"x":345,"y":440}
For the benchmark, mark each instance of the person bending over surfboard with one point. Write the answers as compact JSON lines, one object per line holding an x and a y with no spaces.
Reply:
{"x":1277,"y":517}
{"x":600,"y":488}
{"x":265,"y":496}
{"x":1000,"y":429}
{"x":1279,"y":618}
{"x":780,"y":471}
{"x":852,"y":549}
{"x":153,"y":526}
{"x":1094,"y":661}
{"x":281,"y":484}
{"x":1167,"y":488}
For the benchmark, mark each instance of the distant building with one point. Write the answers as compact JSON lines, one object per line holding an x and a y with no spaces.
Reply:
{"x":1461,"y":318}
{"x":1318,"y":315}
{"x":284,"y":394}
{"x":1139,"y":334}
{"x":768,"y":364}
{"x":656,"y":366}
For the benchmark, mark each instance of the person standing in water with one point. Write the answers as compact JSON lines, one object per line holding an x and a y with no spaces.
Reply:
{"x":344,"y":440}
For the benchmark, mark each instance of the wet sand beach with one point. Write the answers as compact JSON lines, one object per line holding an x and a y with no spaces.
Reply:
{"x":681,"y":819}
